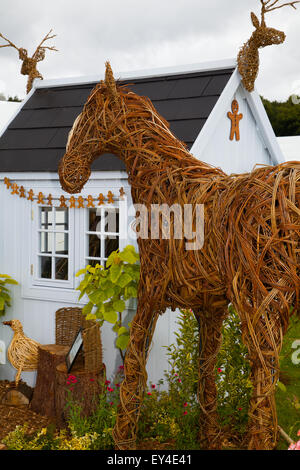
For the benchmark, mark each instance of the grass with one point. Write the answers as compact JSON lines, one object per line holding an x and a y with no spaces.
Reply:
{"x":288,"y":396}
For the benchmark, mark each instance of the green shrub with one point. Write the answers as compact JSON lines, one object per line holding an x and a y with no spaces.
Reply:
{"x":233,"y":376}
{"x":174,"y":415}
{"x":5,"y":299}
{"x":108,"y":288}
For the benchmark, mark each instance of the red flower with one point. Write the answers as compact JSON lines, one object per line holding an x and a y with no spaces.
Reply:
{"x":185,"y":404}
{"x":152,"y":386}
{"x":180,"y":381}
{"x":111,"y":403}
{"x":110,"y":389}
{"x":149,"y":393}
{"x":219,"y":370}
{"x":107,"y":382}
{"x":121,"y":367}
{"x":240,"y":409}
{"x":185,"y":412}
{"x":118,"y":385}
{"x":92,"y":380}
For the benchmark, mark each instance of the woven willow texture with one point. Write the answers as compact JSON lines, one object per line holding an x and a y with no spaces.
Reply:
{"x":250,"y":255}
{"x":29,"y":64}
{"x":248,"y":57}
{"x":22,"y":352}
{"x":68,"y":321}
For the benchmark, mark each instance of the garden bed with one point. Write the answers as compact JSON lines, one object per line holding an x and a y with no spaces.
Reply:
{"x":12,"y":416}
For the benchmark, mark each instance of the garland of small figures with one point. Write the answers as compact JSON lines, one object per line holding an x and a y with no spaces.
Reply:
{"x":78,"y":203}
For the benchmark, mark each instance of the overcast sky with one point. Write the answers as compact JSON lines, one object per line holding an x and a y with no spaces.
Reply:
{"x":139,"y":34}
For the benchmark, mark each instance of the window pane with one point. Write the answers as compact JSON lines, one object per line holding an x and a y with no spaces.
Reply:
{"x":111,"y":220}
{"x":46,"y":218}
{"x":93,"y":262}
{"x":61,"y":218}
{"x":61,"y":268}
{"x":46,"y":242}
{"x":111,"y":244}
{"x":94,"y":246}
{"x":94,"y":220}
{"x":45,"y":267}
{"x":61,"y":243}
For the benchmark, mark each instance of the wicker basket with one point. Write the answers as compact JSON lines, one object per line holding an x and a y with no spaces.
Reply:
{"x":68,"y":321}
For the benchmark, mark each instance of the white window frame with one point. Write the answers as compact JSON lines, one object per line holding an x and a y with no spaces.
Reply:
{"x":100,"y":183}
{"x":35,"y":252}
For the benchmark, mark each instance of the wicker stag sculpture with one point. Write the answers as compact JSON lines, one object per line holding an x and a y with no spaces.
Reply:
{"x":29,"y":64}
{"x":250,"y":256}
{"x":248,"y":57}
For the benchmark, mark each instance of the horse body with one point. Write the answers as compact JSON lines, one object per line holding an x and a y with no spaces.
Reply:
{"x":250,"y":255}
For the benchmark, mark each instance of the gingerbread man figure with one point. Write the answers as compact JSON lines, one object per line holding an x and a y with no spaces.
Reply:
{"x":235,"y":120}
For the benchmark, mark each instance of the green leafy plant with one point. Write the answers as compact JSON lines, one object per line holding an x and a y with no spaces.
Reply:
{"x":5,"y":299}
{"x":172,"y":416}
{"x":233,"y":376}
{"x":183,"y":358}
{"x":47,"y":439}
{"x":108,"y":288}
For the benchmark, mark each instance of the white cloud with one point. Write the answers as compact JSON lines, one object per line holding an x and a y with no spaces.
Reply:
{"x":142,"y":34}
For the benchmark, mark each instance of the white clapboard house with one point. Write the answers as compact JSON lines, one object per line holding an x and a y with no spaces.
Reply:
{"x":43,"y":248}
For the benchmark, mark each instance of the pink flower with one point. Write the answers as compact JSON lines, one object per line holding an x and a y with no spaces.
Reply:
{"x":118,"y":385}
{"x":219,"y":370}
{"x":185,"y":404}
{"x":180,"y":381}
{"x":149,"y":393}
{"x":185,"y":412}
{"x":110,"y":389}
{"x":176,"y":375}
{"x":298,"y":445}
{"x":121,"y":368}
{"x":298,"y":433}
{"x":107,"y":382}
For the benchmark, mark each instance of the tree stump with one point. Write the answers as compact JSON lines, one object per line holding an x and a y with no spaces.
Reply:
{"x":49,"y":356}
{"x":83,"y":387}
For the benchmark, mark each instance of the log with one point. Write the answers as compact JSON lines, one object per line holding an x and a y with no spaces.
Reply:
{"x":85,"y":391}
{"x":49,"y":356}
{"x":14,"y":398}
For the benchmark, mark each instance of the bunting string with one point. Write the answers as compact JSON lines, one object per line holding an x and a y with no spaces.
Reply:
{"x":72,"y":202}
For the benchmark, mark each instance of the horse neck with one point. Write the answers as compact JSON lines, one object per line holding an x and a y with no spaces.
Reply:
{"x":147,"y":146}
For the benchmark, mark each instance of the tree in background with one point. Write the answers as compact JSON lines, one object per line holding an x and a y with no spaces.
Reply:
{"x":284,"y":116}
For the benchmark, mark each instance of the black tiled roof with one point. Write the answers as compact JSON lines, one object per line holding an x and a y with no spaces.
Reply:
{"x":36,"y":139}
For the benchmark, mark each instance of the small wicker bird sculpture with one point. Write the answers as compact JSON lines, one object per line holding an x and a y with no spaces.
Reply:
{"x":22,"y":351}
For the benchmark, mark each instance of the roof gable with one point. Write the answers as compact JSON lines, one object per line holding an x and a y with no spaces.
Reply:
{"x":36,"y":138}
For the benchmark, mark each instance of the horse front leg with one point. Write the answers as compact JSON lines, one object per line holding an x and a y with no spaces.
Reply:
{"x":135,"y":377}
{"x":210,"y":340}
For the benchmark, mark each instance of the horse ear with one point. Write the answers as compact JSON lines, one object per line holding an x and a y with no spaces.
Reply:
{"x":110,"y":81}
{"x":255,"y":20}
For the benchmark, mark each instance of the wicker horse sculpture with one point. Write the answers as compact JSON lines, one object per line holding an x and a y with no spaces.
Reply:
{"x":250,"y":256}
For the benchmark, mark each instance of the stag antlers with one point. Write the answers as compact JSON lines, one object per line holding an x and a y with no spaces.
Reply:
{"x":248,"y":57}
{"x":29,"y":65}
